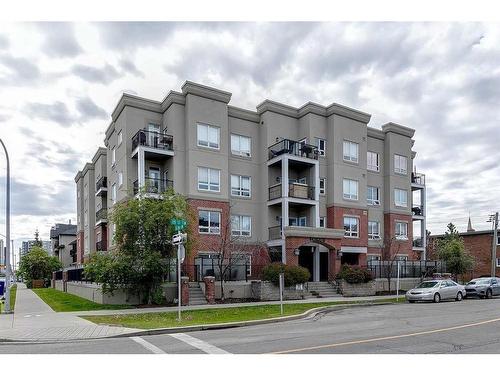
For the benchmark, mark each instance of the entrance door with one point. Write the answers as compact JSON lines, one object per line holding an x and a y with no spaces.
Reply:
{"x":323,"y":266}
{"x":153,"y":134}
{"x":306,"y":259}
{"x":154,"y":179}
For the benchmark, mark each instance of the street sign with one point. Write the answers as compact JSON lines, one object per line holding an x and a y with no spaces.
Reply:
{"x":179,"y":224}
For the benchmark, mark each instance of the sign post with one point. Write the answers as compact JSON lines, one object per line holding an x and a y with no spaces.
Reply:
{"x":397,"y":285}
{"x":178,"y":239}
{"x":282,"y":284}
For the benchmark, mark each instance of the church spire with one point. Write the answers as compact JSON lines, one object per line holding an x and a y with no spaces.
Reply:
{"x":469,"y":226}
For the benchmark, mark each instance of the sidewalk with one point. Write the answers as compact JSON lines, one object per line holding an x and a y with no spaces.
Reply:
{"x":34,"y":320}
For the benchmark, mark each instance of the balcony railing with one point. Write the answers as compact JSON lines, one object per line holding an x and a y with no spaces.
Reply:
{"x":418,"y":178}
{"x":100,"y":245}
{"x":154,"y":185}
{"x":418,"y":210}
{"x":101,"y":215}
{"x":418,"y":242}
{"x":152,"y":139}
{"x":275,"y":232}
{"x":101,"y":183}
{"x":295,"y":190}
{"x":288,"y":146}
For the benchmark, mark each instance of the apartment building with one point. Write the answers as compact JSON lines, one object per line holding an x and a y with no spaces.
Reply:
{"x":27,"y":245}
{"x":315,"y":185}
{"x":63,"y":241}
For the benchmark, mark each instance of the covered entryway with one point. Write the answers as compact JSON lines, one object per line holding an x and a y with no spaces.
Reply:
{"x":306,"y":259}
{"x":315,"y":259}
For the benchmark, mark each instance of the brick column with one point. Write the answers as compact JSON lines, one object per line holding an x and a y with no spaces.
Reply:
{"x":64,"y":279}
{"x":184,"y":290}
{"x":209,"y":289}
{"x":53,"y":281}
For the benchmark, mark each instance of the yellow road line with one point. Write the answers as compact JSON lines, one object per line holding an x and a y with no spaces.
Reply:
{"x":388,"y":337}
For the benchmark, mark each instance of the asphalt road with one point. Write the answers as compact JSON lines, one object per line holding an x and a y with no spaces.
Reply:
{"x":471,"y":326}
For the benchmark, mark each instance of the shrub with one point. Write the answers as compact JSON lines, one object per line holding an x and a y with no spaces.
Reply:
{"x":354,"y":275}
{"x":293,"y":274}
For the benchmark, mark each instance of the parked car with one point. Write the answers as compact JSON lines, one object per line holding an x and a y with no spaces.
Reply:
{"x":483,"y":287}
{"x":436,"y":291}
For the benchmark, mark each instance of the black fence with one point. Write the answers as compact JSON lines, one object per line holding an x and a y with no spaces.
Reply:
{"x":77,"y":274}
{"x":58,"y":275}
{"x":407,"y":269}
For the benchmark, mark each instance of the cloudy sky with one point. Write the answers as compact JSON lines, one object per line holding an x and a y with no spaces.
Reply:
{"x":60,"y":82}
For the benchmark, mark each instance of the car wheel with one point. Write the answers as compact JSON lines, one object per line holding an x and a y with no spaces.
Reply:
{"x":488,"y":294}
{"x":459,"y":297}
{"x":437,"y":298}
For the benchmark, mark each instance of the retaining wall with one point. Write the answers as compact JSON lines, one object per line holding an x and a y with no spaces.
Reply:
{"x":267,"y":291}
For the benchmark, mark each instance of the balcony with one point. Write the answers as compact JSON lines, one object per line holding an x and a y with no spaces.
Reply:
{"x":295,"y":190}
{"x":101,"y":187}
{"x":101,"y":216}
{"x":418,"y":242}
{"x":153,"y":139}
{"x":290,"y":147}
{"x":154,"y":185}
{"x":275,"y":232}
{"x":418,"y":179}
{"x":100,"y":245}
{"x":417,"y":210}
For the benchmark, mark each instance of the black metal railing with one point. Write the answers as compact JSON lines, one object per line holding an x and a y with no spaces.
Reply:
{"x":418,"y":210}
{"x":418,"y":242}
{"x":418,"y":178}
{"x":100,"y":245}
{"x":153,"y":139}
{"x":288,"y":146}
{"x":154,"y":185}
{"x":239,"y":271}
{"x":101,"y":183}
{"x":275,"y":232}
{"x":58,"y":275}
{"x":295,"y":190}
{"x":407,"y":269}
{"x":101,"y":215}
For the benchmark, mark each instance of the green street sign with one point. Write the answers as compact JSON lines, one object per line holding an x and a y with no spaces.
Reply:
{"x":179,"y":224}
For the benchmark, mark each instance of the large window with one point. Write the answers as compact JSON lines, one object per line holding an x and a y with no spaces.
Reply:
{"x":351,"y":151}
{"x":322,"y":186}
{"x":113,"y":193}
{"x":322,"y":221}
{"x":120,"y":138}
{"x":401,"y":230}
{"x":350,"y":189}
{"x":372,"y":196}
{"x":372,"y":161}
{"x":208,"y":136}
{"x":120,"y":179}
{"x":351,"y":226}
{"x":321,"y":143}
{"x":400,"y":197}
{"x":208,"y":179}
{"x":241,"y":145}
{"x":373,"y":230}
{"x":241,"y":225}
{"x":400,"y":164}
{"x":209,"y":222}
{"x":240,"y":186}
{"x":113,"y":156}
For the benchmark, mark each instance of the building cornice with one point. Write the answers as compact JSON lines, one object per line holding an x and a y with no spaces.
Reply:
{"x":171,"y":98}
{"x":392,"y":127}
{"x":136,"y":102}
{"x":243,"y":114}
{"x":88,"y":167}
{"x":109,"y":131}
{"x":101,"y":151}
{"x":272,"y":106}
{"x":375,"y":133}
{"x":205,"y":91}
{"x":311,"y":107}
{"x":78,"y":176}
{"x":351,"y":113}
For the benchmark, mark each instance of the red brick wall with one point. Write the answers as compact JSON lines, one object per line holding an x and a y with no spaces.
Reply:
{"x":79,"y":247}
{"x":103,"y":230}
{"x":335,"y":219}
{"x":405,"y":246}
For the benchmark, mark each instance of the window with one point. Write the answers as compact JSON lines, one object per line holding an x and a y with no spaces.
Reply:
{"x":322,"y":186}
{"x":372,"y":163}
{"x":321,"y":143}
{"x":241,"y":225}
{"x":498,"y":239}
{"x":498,"y":262}
{"x":249,"y":265}
{"x":113,"y":156}
{"x":113,"y":193}
{"x":120,"y":179}
{"x":351,"y":151}
{"x":208,"y":179}
{"x":401,"y":230}
{"x":120,"y":138}
{"x":350,"y":189}
{"x":241,"y":145}
{"x":240,"y":186}
{"x":351,"y":226}
{"x":302,"y":222}
{"x":400,"y":197}
{"x":372,"y":196}
{"x":373,"y":230}
{"x":400,"y":164}
{"x":209,"y":222}
{"x":208,"y":136}
{"x":322,"y":222}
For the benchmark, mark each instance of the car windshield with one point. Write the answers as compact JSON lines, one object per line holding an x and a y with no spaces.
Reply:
{"x":427,"y":284}
{"x":480,"y":282}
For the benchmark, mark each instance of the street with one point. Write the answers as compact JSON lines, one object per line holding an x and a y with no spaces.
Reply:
{"x":471,"y":326}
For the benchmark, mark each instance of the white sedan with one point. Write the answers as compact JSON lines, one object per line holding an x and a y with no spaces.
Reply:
{"x":436,"y":291}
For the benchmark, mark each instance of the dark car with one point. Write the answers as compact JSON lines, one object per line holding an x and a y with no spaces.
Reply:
{"x":484,"y":287}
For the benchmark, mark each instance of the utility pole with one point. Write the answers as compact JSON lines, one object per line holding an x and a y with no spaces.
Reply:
{"x":494,"y":219}
{"x":8,"y":271}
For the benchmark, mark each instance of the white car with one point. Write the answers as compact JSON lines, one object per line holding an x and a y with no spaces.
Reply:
{"x":436,"y":291}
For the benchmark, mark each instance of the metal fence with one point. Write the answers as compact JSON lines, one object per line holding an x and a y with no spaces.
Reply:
{"x":407,"y":269}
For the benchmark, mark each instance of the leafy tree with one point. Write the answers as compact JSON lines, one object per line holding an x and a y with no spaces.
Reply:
{"x":37,"y":265}
{"x":139,"y":261}
{"x":451,"y":249}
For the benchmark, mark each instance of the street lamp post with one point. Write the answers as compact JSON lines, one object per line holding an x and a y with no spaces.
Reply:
{"x":7,"y":234}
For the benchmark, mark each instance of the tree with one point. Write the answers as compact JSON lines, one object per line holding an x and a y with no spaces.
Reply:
{"x":139,"y":261}
{"x":451,"y":249}
{"x":37,"y":265}
{"x":37,"y":241}
{"x":390,"y":257}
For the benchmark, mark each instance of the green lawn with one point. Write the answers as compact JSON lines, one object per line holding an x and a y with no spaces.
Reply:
{"x":61,"y":301}
{"x":212,"y":316}
{"x":13,"y":291}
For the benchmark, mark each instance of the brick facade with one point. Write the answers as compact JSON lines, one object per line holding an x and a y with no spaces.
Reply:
{"x":335,"y":219}
{"x":102,"y":230}
{"x":79,"y":247}
{"x":403,"y":247}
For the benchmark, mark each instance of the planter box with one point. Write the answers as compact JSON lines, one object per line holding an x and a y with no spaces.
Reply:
{"x":357,"y":290}
{"x":37,"y":284}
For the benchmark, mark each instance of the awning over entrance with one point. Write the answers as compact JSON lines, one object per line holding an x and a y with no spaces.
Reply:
{"x":313,"y":233}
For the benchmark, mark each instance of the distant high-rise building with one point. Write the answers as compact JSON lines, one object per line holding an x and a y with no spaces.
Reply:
{"x":27,"y":245}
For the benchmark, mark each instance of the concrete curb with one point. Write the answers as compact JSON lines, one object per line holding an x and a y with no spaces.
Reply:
{"x":309,"y":314}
